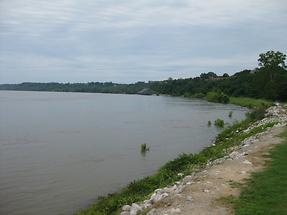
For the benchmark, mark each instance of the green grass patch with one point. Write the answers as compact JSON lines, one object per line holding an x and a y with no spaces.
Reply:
{"x":250,"y":102}
{"x":266,"y":191}
{"x":140,"y":190}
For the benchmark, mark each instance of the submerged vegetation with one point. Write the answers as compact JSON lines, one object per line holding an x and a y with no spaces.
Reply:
{"x":209,"y":123}
{"x":219,"y":123}
{"x":266,"y":191}
{"x":186,"y":163}
{"x":144,"y":148}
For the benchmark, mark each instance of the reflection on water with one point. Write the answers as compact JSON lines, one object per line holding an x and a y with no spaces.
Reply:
{"x":59,"y":151}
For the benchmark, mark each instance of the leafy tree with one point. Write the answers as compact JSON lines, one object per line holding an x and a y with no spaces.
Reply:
{"x":208,"y":75}
{"x":271,"y":62}
{"x":272,"y":59}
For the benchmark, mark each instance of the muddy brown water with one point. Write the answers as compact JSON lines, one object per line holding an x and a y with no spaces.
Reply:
{"x":60,"y":151}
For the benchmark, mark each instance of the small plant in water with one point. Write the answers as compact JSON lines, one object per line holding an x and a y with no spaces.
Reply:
{"x":230,"y":114}
{"x":209,"y":123}
{"x":144,"y":148}
{"x":219,"y":123}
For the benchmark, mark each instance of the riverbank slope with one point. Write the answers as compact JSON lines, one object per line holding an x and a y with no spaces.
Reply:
{"x":206,"y":191}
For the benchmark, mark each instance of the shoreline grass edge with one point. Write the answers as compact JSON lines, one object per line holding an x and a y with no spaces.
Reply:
{"x":185,"y":164}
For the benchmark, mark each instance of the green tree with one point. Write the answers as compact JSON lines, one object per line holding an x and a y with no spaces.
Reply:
{"x":272,"y":59}
{"x":271,"y":62}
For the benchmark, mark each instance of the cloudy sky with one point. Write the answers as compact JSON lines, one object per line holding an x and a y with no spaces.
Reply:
{"x":135,"y":40}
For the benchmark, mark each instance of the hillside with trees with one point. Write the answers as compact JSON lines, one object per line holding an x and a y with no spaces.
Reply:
{"x":268,"y":81}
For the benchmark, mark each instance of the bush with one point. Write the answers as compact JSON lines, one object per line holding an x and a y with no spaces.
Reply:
{"x":144,"y":147}
{"x":219,"y":123}
{"x":199,"y":95}
{"x":209,"y":123}
{"x":219,"y":97}
{"x":257,"y":114}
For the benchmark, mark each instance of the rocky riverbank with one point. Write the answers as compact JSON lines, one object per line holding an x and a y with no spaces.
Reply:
{"x":199,"y":193}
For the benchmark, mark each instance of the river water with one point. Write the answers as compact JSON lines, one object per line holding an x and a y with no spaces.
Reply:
{"x":60,"y":151}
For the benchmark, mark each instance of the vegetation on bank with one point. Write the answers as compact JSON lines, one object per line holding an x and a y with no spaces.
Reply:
{"x":266,"y":191}
{"x":186,"y":163}
{"x":250,"y":102}
{"x":268,"y":81}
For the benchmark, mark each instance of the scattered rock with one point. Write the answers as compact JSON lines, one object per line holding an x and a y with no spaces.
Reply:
{"x":151,"y":212}
{"x":247,"y":162}
{"x":175,"y":211}
{"x":135,"y":208}
{"x":275,"y":114}
{"x":187,"y":179}
{"x":189,"y":198}
{"x":126,"y":208}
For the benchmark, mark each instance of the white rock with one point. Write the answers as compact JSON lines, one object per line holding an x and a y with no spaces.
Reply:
{"x":174,"y":187}
{"x":164,"y":195}
{"x":175,"y":211}
{"x":187,"y":178}
{"x":206,"y":191}
{"x":135,"y":208}
{"x":151,"y":212}
{"x":177,"y":182}
{"x":179,"y":189}
{"x":247,"y":162}
{"x":146,"y":204}
{"x":158,"y":191}
{"x":126,"y":208}
{"x":125,"y":213}
{"x":189,"y":198}
{"x":155,"y":198}
{"x":180,"y":174}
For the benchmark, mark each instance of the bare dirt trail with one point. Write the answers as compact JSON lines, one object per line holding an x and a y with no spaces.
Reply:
{"x":201,"y":192}
{"x":207,"y":187}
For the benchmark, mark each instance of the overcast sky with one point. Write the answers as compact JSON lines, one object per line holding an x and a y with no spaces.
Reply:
{"x":135,"y":40}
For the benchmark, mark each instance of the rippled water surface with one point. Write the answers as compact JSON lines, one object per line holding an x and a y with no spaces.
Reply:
{"x":59,"y":151}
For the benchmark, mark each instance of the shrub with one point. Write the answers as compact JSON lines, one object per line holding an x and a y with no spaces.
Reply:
{"x":219,"y":123}
{"x":257,"y":113}
{"x":209,"y":123}
{"x":219,"y":97}
{"x":199,"y":95}
{"x":144,"y":147}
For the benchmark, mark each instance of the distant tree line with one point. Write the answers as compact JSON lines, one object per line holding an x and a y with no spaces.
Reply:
{"x":268,"y":81}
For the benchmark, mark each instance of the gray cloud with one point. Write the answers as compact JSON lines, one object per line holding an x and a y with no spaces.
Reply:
{"x":126,"y":41}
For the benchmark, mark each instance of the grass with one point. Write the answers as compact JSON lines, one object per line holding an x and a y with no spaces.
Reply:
{"x":140,"y":190}
{"x":250,"y":102}
{"x":266,"y":191}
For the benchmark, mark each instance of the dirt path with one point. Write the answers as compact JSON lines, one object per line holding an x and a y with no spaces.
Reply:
{"x":207,"y":187}
{"x":202,"y":193}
